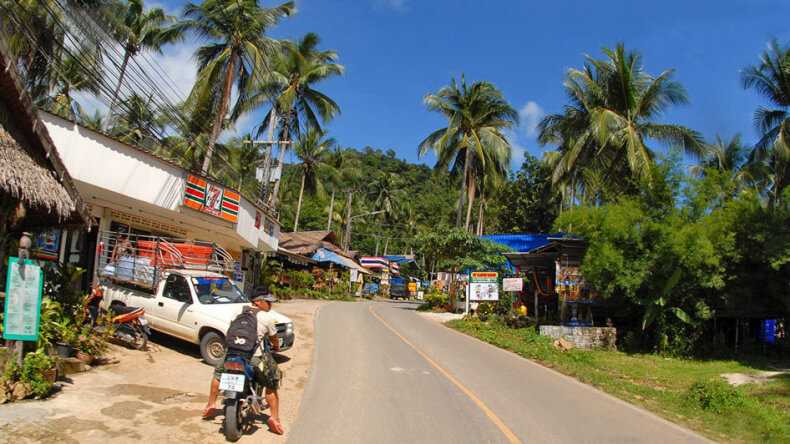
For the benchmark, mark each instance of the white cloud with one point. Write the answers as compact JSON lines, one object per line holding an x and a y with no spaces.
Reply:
{"x":517,"y":150}
{"x":394,"y":5}
{"x":530,"y":115}
{"x":179,"y":66}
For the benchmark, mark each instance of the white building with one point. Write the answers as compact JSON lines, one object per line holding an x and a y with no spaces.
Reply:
{"x":126,"y":185}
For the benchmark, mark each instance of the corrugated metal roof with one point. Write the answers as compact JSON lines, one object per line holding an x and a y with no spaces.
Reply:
{"x":522,"y":242}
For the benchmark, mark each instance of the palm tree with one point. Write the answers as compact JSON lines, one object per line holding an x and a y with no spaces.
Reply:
{"x":312,"y":150}
{"x":614,"y":104}
{"x":771,"y":78}
{"x":722,"y":155}
{"x":138,"y":123}
{"x":477,"y":114}
{"x":385,"y":194}
{"x":140,"y":31}
{"x":71,"y":77}
{"x":238,"y":51}
{"x":96,"y":121}
{"x":288,"y":87}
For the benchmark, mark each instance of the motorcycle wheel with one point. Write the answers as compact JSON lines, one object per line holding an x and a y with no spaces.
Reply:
{"x":140,"y":338}
{"x":233,"y":421}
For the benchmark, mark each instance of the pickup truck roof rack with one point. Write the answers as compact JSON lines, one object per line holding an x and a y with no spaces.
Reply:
{"x":142,"y":260}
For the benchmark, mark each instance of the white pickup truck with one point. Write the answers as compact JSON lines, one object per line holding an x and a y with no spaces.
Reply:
{"x":193,"y":305}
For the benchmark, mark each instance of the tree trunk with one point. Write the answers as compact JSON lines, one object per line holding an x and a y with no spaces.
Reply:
{"x":126,"y":56}
{"x":471,"y":190}
{"x":462,"y":198}
{"x":331,"y":208}
{"x":386,"y":245}
{"x":299,"y":205}
{"x":223,"y":108}
{"x":281,"y":162}
{"x":347,"y":237}
{"x":480,"y":217}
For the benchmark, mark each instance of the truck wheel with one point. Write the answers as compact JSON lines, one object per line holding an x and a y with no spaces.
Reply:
{"x":212,"y":348}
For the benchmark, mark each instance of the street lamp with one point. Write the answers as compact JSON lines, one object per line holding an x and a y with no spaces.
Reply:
{"x":347,"y":238}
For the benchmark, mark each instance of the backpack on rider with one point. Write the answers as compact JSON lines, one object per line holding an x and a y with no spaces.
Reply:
{"x":242,"y":335}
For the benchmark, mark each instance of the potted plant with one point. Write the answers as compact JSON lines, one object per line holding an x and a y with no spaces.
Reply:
{"x":90,"y":345}
{"x":67,"y":334}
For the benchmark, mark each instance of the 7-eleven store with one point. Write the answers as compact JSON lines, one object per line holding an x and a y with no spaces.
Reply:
{"x":128,"y":188}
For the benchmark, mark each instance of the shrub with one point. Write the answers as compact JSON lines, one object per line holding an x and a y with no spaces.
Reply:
{"x":33,"y":368}
{"x":505,"y":303}
{"x":715,"y":396}
{"x":484,"y":310}
{"x":300,"y":279}
{"x":434,"y":299}
{"x":32,"y":372}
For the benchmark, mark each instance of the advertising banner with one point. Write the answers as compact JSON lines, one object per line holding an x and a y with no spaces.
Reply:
{"x":512,"y":284}
{"x":483,"y":286}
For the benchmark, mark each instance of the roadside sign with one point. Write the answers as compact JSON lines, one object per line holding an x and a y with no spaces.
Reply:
{"x":483,"y":286}
{"x":512,"y":284}
{"x":24,"y":285}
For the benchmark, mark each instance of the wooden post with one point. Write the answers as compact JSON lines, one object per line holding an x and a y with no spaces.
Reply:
{"x":24,"y":253}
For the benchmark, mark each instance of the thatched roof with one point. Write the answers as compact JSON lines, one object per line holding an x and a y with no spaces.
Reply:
{"x":27,"y":180}
{"x":32,"y":171}
{"x":308,"y":242}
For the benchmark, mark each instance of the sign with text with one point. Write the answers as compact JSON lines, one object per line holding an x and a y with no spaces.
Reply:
{"x":212,"y":199}
{"x":512,"y":284}
{"x":483,"y":286}
{"x":24,"y":285}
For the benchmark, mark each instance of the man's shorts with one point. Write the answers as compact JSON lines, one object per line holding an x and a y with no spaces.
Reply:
{"x":267,"y":373}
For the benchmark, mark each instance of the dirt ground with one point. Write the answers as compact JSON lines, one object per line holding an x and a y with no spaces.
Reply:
{"x":154,"y":396}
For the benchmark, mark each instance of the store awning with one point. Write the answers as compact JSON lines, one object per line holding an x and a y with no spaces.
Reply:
{"x":294,"y":258}
{"x":324,"y":255}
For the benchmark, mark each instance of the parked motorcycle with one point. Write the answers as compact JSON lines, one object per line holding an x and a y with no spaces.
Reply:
{"x":243,"y":396}
{"x":129,"y":323}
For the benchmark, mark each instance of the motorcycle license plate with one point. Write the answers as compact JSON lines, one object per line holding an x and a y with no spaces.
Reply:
{"x":143,"y":322}
{"x":229,"y":381}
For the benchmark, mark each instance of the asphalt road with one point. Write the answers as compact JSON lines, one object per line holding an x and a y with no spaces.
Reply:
{"x":384,"y":374}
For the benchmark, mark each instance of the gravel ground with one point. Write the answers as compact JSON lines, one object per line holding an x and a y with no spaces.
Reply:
{"x":156,"y":396}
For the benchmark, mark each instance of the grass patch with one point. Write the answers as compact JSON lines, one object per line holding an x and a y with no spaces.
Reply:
{"x":685,"y":391}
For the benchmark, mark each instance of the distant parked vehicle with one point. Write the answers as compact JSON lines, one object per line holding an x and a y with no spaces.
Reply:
{"x":398,"y":289}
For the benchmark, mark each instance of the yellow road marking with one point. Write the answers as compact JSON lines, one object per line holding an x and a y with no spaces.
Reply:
{"x":511,"y":437}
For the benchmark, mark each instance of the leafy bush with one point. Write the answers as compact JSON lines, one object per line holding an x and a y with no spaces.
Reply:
{"x":715,"y":396}
{"x":33,"y":368}
{"x":434,"y":299}
{"x":505,"y":303}
{"x":62,"y":284}
{"x":513,"y":321}
{"x":32,"y":372}
{"x":300,"y":279}
{"x":484,"y":310}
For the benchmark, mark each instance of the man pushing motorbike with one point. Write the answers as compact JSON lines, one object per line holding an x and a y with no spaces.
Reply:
{"x":267,"y":372}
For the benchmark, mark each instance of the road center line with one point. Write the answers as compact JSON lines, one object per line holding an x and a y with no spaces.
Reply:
{"x":511,"y":437}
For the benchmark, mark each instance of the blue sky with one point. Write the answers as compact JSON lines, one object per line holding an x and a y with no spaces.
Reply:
{"x":396,"y":51}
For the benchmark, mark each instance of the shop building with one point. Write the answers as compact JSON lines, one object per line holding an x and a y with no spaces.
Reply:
{"x":131,"y":189}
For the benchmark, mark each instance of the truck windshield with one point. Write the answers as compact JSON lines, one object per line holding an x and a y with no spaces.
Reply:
{"x":217,"y":290}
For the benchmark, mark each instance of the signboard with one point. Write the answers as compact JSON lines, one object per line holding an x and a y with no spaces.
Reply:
{"x":24,"y":284}
{"x":211,"y":199}
{"x":483,"y":286}
{"x":512,"y":284}
{"x":46,"y":245}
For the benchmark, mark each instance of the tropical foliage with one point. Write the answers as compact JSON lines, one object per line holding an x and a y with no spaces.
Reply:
{"x":602,"y":133}
{"x":473,"y":140}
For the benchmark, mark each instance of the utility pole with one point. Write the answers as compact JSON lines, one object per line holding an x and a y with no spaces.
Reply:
{"x":347,"y":240}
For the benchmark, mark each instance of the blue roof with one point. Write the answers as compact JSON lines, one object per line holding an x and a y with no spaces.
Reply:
{"x":398,"y":259}
{"x":524,"y":242}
